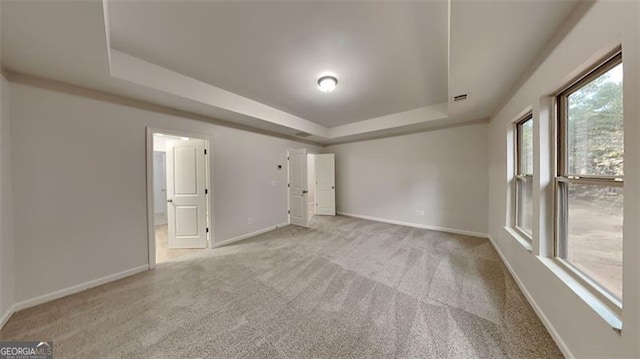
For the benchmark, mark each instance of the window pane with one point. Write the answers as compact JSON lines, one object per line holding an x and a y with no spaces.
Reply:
{"x":594,"y":244}
{"x":524,"y":220}
{"x":526,"y":147}
{"x":594,"y":127}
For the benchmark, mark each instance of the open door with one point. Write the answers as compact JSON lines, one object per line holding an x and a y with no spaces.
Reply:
{"x":325,"y":184}
{"x":186,"y":195}
{"x":298,"y":206}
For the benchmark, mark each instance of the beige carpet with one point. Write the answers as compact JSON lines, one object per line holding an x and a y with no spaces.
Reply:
{"x":346,"y":288}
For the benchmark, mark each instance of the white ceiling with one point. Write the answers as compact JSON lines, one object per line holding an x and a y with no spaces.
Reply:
{"x":255,"y":63}
{"x":494,"y":43}
{"x":388,"y":56}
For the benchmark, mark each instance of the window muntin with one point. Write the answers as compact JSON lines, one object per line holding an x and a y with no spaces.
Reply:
{"x":524,"y":176}
{"x":589,"y":193}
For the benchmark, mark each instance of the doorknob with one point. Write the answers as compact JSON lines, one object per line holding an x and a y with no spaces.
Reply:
{"x":169,"y":201}
{"x":303,"y":192}
{"x":333,"y":187}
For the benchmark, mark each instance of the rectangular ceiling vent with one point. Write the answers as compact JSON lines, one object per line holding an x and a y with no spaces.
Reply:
{"x":303,"y":134}
{"x":460,"y":97}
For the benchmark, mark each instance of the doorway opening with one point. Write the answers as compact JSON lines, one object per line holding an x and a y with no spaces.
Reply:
{"x":179,"y":195}
{"x":311,"y":185}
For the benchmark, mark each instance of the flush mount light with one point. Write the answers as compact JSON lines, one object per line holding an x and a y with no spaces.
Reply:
{"x":327,"y":83}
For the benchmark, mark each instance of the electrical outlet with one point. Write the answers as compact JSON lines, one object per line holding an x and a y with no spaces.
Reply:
{"x":250,"y":220}
{"x":419,"y":212}
{"x":273,"y":183}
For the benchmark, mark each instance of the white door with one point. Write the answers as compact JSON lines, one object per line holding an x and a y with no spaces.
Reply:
{"x":326,"y":184}
{"x":298,"y":206}
{"x":186,"y":198}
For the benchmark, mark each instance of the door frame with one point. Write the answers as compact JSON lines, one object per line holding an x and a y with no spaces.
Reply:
{"x":151,"y":221}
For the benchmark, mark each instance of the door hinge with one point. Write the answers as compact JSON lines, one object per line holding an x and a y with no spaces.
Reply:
{"x":207,"y":229}
{"x":287,"y":158}
{"x":205,"y":151}
{"x":288,"y":184}
{"x":289,"y":212}
{"x":206,"y":191}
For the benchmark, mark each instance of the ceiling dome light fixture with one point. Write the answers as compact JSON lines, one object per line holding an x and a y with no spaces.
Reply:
{"x":327,"y":83}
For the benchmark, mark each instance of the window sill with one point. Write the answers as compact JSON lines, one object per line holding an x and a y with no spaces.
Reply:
{"x":585,"y":293}
{"x":523,"y":240}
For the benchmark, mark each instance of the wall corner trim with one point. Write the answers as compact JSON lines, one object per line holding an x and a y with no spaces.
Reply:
{"x":249,"y":235}
{"x":564,"y":348}
{"x":70,"y":290}
{"x":416,"y":225}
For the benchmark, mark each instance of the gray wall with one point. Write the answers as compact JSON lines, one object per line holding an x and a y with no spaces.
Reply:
{"x":441,"y":172}
{"x":576,"y":326}
{"x":79,"y":171}
{"x":7,"y":254}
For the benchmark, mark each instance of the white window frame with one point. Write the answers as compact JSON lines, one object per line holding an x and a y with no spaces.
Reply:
{"x":564,"y":177}
{"x":520,"y":177}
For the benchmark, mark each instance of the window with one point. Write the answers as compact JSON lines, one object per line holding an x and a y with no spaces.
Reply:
{"x":524,"y":176}
{"x":589,"y":181}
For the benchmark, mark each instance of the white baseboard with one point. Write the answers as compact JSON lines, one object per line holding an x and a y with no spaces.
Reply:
{"x":249,"y":235}
{"x":417,"y":225}
{"x":7,"y":315}
{"x":110,"y":278}
{"x":70,"y":290}
{"x":536,"y":308}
